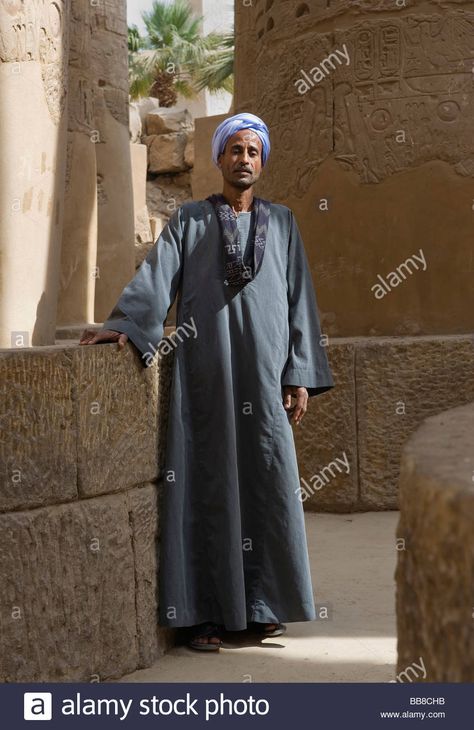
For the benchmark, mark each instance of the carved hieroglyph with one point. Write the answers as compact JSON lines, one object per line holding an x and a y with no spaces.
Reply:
{"x":405,"y":98}
{"x":376,"y":156}
{"x":34,"y":39}
{"x":115,"y":234}
{"x":300,"y":126}
{"x":408,"y":95}
{"x":37,"y":31}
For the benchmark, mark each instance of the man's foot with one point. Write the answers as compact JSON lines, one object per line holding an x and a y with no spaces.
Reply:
{"x":267,"y":629}
{"x":205,"y":637}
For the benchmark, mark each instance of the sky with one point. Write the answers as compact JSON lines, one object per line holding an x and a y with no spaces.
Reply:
{"x":134,"y":11}
{"x":219,"y":21}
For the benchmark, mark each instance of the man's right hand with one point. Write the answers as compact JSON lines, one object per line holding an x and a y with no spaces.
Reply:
{"x":90,"y":337}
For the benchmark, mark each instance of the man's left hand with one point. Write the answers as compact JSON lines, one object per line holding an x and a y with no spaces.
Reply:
{"x":299,"y":409}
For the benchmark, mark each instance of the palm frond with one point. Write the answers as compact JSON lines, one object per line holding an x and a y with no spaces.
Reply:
{"x":174,"y":44}
{"x":185,"y":88}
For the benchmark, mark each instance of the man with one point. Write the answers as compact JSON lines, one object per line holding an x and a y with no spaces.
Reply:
{"x":233,"y":542}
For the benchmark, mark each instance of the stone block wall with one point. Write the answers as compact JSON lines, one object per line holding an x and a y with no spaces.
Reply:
{"x":350,"y":442}
{"x":435,"y":571}
{"x":81,"y":456}
{"x":206,"y":178}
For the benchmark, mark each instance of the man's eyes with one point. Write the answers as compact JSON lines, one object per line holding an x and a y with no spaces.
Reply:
{"x":251,"y":152}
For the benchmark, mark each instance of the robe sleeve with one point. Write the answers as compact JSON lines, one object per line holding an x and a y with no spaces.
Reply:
{"x":307,"y":364}
{"x":144,"y":303}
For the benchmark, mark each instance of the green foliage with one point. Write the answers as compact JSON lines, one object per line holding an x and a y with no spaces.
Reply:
{"x":175,"y":58}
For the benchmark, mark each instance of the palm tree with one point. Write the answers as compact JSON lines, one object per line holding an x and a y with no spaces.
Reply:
{"x":138,"y":78}
{"x":218,"y":72}
{"x":135,"y":41}
{"x":174,"y":58}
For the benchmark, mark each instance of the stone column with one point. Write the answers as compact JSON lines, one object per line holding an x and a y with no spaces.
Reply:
{"x":98,"y":241}
{"x":370,"y":105}
{"x":116,"y":229}
{"x":79,"y":241}
{"x":435,"y":548}
{"x":33,"y":85}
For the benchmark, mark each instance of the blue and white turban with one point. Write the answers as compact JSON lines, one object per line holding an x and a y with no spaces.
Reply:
{"x":232,"y":125}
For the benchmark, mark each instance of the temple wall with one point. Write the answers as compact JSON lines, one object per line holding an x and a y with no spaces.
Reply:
{"x":67,"y":225}
{"x":435,"y":571}
{"x":350,"y":443}
{"x":34,"y":40}
{"x":80,"y":459}
{"x":373,"y":155}
{"x":81,"y":462}
{"x":206,"y":178}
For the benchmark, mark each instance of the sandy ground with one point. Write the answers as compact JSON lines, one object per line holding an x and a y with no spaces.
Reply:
{"x":353,"y":558}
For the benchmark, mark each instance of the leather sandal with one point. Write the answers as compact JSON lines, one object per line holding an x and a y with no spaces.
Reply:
{"x":209,"y":630}
{"x":262,"y":628}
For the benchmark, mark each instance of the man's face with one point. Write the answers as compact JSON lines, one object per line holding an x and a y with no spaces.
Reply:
{"x":241,"y":161}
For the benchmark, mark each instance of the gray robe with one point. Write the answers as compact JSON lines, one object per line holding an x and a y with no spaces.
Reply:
{"x":233,"y":542}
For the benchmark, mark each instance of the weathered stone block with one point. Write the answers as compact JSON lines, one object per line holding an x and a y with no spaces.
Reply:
{"x":206,"y":178}
{"x":435,"y":571}
{"x":118,"y":418}
{"x":167,"y":192}
{"x":139,"y":155}
{"x":327,"y":440}
{"x":134,"y":124}
{"x":67,"y":603}
{"x":153,"y":640}
{"x":189,"y":151}
{"x":164,"y":121}
{"x":166,"y":152}
{"x":143,"y":232}
{"x":145,"y":105}
{"x":400,"y":382}
{"x":38,"y":436}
